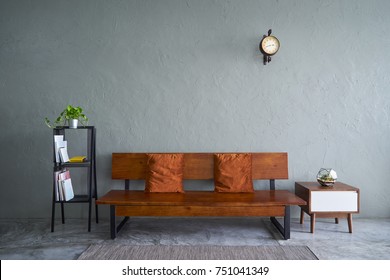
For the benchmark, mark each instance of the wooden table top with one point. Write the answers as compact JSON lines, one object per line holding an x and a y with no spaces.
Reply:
{"x":338,"y":186}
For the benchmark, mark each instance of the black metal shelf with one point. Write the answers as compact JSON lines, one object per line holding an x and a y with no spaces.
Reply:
{"x":79,"y":127}
{"x":90,"y":164}
{"x":78,"y":198}
{"x":73,"y":164}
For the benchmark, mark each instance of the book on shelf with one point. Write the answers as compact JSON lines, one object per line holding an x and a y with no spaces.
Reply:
{"x":62,"y":176}
{"x":58,"y":146}
{"x":64,"y":154}
{"x":56,"y":185}
{"x":78,"y":159}
{"x":67,"y":189}
{"x":58,"y":143}
{"x":58,"y":138}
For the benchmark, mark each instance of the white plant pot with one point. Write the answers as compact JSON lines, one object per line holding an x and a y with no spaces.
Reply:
{"x":73,"y":123}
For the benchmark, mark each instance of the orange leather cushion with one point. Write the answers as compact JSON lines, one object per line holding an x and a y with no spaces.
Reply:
{"x":165,"y":173}
{"x":233,"y":173}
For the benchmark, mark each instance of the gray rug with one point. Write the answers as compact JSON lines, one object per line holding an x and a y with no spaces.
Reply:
{"x":180,"y":252}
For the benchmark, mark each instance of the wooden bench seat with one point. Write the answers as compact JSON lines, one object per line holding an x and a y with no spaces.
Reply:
{"x":272,"y":203}
{"x":200,"y":203}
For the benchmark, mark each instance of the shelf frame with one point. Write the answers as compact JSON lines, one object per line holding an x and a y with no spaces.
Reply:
{"x":90,"y":165}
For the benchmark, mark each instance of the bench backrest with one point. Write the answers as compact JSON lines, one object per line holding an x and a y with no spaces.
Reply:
{"x":200,"y":166}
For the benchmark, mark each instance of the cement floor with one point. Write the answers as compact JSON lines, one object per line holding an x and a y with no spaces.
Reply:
{"x":32,"y":239}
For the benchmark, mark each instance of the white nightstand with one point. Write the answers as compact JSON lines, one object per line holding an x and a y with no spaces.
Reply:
{"x":338,"y":201}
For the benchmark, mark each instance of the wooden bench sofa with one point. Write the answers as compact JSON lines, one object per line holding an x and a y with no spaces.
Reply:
{"x":200,"y":166}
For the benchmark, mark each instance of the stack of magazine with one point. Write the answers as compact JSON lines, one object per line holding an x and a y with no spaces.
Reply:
{"x":63,"y":185}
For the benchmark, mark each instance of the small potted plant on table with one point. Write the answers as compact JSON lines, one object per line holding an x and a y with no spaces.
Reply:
{"x":326,"y":177}
{"x":70,"y":114}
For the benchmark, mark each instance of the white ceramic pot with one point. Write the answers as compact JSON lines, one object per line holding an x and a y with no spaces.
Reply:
{"x":73,"y":123}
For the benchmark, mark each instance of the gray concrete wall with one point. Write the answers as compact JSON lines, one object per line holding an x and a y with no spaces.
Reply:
{"x":187,"y":76}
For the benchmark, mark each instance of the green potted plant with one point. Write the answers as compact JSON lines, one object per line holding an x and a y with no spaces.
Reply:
{"x":70,"y":114}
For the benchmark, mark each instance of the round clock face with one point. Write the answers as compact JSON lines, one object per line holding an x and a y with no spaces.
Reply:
{"x":269,"y":45}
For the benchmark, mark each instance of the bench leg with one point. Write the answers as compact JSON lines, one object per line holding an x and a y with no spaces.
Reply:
{"x":113,"y":228}
{"x":284,"y":230}
{"x":112,"y":222}
{"x":286,"y":234}
{"x":121,"y":224}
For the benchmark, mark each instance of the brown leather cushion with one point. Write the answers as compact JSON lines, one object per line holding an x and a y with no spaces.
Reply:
{"x":165,"y":173}
{"x":233,"y":173}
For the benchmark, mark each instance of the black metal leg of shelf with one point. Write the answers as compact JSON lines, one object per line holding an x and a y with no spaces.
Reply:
{"x":53,"y":207}
{"x":89,"y":216}
{"x":90,"y":203}
{"x":53,"y":204}
{"x":62,"y":213}
{"x":96,"y":196}
{"x":96,"y":212}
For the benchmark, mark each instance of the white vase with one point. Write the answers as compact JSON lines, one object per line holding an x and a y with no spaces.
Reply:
{"x":73,"y":123}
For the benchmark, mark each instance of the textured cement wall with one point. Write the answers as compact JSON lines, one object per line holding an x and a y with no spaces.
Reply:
{"x":187,"y":76}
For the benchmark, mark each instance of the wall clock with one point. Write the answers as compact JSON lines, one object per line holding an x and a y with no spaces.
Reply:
{"x":269,"y":46}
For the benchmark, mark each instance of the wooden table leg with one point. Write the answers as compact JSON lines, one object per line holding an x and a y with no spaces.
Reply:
{"x":302,"y":216}
{"x":336,"y":220}
{"x":312,"y":222}
{"x":350,"y":222}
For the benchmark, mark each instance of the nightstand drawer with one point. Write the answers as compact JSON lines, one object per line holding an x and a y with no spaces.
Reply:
{"x":328,"y":201}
